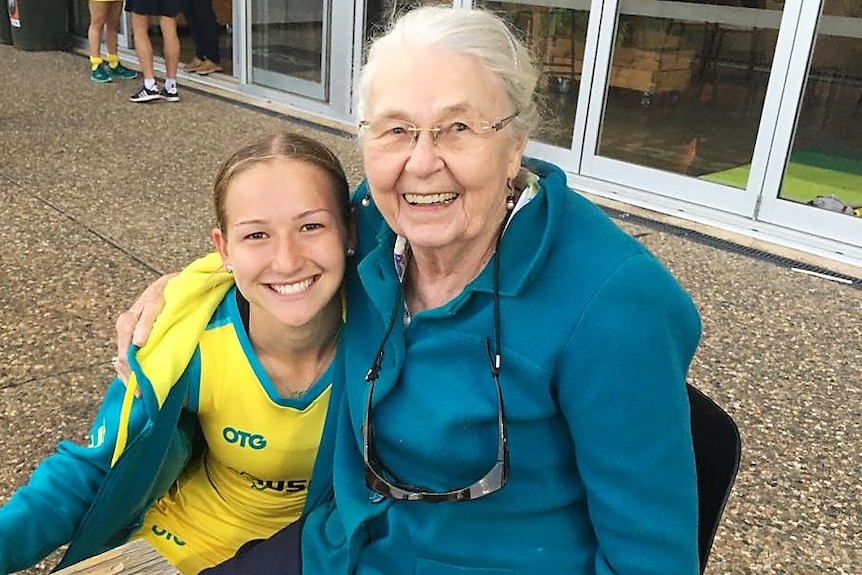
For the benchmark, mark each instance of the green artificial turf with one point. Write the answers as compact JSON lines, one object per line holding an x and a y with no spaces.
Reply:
{"x":810,"y":174}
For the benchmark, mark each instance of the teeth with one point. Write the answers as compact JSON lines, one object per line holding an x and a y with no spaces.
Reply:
{"x":291,"y":289}
{"x":428,"y":199}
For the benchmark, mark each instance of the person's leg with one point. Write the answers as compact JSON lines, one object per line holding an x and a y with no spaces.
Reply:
{"x":187,"y":7}
{"x":99,"y":12}
{"x":112,"y":25}
{"x":209,"y":34}
{"x":143,"y":46}
{"x":112,"y":30}
{"x":209,"y":29}
{"x":144,"y":49}
{"x":98,"y":15}
{"x":168,"y":25}
{"x":281,"y":553}
{"x":189,"y":10}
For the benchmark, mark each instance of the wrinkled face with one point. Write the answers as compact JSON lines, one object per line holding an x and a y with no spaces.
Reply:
{"x":284,"y":239}
{"x":440,"y":199}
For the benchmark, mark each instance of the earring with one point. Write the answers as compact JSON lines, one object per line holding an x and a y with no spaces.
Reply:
{"x":366,"y":201}
{"x":350,"y":252}
{"x":510,"y":199}
{"x":229,"y":268}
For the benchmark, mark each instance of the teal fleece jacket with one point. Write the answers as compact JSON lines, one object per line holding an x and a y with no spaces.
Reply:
{"x":597,"y":338}
{"x":94,"y":497}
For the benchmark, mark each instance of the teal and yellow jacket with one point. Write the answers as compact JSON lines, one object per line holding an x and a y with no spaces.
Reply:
{"x":94,"y":497}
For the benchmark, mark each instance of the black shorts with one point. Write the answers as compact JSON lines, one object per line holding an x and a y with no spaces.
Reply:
{"x":154,"y":7}
{"x":281,"y":554}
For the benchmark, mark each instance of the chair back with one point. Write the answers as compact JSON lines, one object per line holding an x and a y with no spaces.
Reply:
{"x":717,"y":450}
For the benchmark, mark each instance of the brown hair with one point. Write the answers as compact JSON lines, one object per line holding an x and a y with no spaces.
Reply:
{"x":289,"y":145}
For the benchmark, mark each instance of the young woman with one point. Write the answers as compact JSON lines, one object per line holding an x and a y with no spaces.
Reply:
{"x":221,"y":446}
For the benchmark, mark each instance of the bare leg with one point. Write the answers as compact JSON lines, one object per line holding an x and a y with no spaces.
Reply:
{"x":143,"y":46}
{"x":112,"y":25}
{"x":168,"y":25}
{"x":99,"y":13}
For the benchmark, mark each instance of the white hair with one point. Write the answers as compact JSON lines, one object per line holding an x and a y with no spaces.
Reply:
{"x":476,"y":33}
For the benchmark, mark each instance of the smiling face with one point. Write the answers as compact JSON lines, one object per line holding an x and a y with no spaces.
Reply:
{"x":284,"y":237}
{"x":441,"y":201}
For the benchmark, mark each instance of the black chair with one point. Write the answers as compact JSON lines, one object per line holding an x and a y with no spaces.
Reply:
{"x":717,"y":449}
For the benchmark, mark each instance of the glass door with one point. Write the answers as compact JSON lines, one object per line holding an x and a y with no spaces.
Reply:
{"x":684,"y":101}
{"x":814,"y":182}
{"x":288,"y":42}
{"x":556,"y":33}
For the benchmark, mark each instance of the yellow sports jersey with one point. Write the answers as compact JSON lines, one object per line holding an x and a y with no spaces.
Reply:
{"x":253,"y":478}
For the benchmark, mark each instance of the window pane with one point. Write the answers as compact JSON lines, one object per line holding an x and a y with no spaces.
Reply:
{"x":556,"y":38}
{"x":687,"y":82}
{"x":287,"y":39}
{"x":825,"y":166}
{"x":378,"y":13}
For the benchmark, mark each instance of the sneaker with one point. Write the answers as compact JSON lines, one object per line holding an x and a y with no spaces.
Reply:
{"x":208,"y":67}
{"x":193,"y":64}
{"x":122,"y":73}
{"x":170,"y":96}
{"x":100,"y":74}
{"x":144,"y":95}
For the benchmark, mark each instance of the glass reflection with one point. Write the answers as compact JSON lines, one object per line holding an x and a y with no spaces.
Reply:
{"x":287,"y":39}
{"x":825,"y":165}
{"x":378,"y":13}
{"x":687,"y":83}
{"x":556,"y":38}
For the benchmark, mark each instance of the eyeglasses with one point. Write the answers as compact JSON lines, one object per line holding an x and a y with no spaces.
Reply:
{"x":494,"y":479}
{"x":393,"y":135}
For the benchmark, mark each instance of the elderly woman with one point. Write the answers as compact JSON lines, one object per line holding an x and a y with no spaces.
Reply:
{"x":515,"y":398}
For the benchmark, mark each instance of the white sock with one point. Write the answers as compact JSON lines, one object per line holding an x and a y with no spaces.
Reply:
{"x":170,"y":84}
{"x":150,"y":83}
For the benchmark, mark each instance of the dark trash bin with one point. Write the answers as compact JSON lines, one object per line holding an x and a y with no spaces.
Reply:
{"x":39,"y":24}
{"x":5,"y":27}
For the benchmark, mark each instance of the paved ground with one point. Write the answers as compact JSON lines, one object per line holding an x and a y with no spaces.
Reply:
{"x":98,"y":196}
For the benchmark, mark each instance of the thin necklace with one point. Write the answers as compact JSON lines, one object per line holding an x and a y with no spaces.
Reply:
{"x":322,"y":362}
